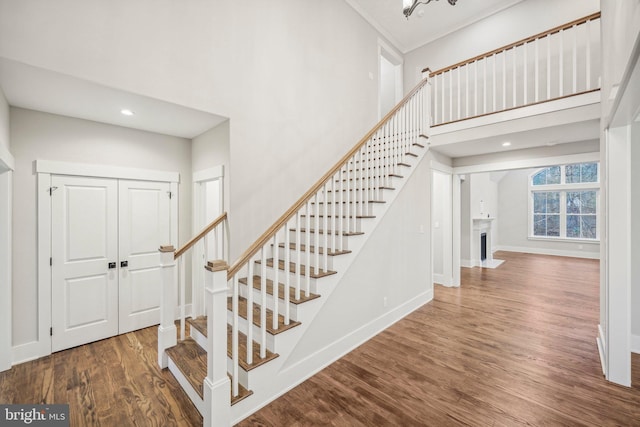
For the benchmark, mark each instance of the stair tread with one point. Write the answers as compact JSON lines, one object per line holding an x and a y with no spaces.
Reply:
{"x":350,"y":202}
{"x":242,"y":312}
{"x":344,"y":233}
{"x":292,"y":269}
{"x":303,"y":248}
{"x":342,"y":216}
{"x":200,"y":323}
{"x":257,"y":283}
{"x":382,"y":187}
{"x":191,"y":360}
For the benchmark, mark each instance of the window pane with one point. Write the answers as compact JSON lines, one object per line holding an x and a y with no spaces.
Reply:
{"x":588,"y":202}
{"x":540,"y":178}
{"x":553,"y":202}
{"x":553,"y":175}
{"x":588,"y":226}
{"x":573,"y":202}
{"x":589,"y":172}
{"x":573,"y":226}
{"x":539,"y":225}
{"x":553,"y":225}
{"x":572,"y":173}
{"x":539,"y":202}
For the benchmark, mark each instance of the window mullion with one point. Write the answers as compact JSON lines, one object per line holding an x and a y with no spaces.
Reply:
{"x":563,"y":213}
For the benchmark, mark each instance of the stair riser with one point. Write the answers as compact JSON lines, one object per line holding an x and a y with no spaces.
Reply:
{"x":342,"y":241}
{"x":242,"y":326}
{"x":257,"y":297}
{"x":374,"y":193}
{"x":293,"y":254}
{"x":332,"y":223}
{"x":352,"y":208}
{"x":313,"y":285}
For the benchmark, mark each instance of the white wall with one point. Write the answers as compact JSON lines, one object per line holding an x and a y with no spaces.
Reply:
{"x":37,"y":135}
{"x":513,"y":225}
{"x":299,"y":80}
{"x":393,"y":265}
{"x":387,"y":86}
{"x":515,"y":23}
{"x":635,"y":239}
{"x":212,"y":149}
{"x":4,"y":124}
{"x":6,"y":186}
{"x":442,"y":227}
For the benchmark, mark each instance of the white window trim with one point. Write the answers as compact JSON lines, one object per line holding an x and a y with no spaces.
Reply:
{"x":563,"y":188}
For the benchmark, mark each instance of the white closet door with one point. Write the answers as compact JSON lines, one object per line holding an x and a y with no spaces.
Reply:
{"x":84,"y":256}
{"x":144,"y":227}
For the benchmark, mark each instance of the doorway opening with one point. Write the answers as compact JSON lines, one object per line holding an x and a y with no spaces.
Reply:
{"x":390,"y":70}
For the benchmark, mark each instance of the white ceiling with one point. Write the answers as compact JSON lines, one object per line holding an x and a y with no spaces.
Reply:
{"x":38,"y":89}
{"x":428,"y":22}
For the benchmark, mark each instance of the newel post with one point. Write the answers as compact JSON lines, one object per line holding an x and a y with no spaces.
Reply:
{"x":217,"y":386}
{"x":167,"y":329}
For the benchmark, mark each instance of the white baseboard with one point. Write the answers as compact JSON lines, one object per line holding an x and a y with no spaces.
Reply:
{"x":635,"y":344}
{"x":602,"y":347}
{"x":554,"y":252}
{"x":467,"y":263}
{"x":440,"y":279}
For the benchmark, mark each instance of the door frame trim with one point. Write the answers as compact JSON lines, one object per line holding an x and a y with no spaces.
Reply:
{"x":44,"y":169}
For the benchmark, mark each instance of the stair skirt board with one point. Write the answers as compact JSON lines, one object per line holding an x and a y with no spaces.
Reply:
{"x":284,"y":380}
{"x":186,"y":386}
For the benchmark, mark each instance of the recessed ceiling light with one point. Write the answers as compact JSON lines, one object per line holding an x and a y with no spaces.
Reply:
{"x":506,"y":144}
{"x":127,"y":112}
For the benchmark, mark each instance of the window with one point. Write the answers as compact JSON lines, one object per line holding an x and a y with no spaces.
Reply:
{"x":564,"y":202}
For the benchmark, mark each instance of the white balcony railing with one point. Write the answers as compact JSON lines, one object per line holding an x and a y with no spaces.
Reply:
{"x":557,"y":63}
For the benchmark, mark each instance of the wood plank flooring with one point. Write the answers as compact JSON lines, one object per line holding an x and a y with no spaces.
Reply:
{"x":512,"y":346}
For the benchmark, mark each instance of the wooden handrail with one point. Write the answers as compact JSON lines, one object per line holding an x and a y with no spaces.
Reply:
{"x":264,"y":238}
{"x":197,"y":238}
{"x":554,"y":30}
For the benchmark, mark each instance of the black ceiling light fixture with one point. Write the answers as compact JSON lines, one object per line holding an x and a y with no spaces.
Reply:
{"x":408,"y":6}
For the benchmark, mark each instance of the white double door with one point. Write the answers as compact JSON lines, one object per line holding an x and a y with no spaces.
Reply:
{"x":106,"y":277}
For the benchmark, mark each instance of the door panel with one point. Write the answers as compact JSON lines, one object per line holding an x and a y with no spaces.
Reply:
{"x":144,"y":227}
{"x":84,"y":242}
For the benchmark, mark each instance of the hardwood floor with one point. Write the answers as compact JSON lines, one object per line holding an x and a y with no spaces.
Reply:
{"x":512,"y":346}
{"x":114,"y":382}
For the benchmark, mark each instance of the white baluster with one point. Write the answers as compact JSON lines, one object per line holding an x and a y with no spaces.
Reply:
{"x":561,"y":64}
{"x":493,"y":83}
{"x":515,"y":81}
{"x":327,"y":229}
{"x":466,"y":90}
{"x":307,"y":239}
{"x":435,"y":100}
{"x":443,"y":104}
{"x":250,"y":280}
{"x":588,"y":55}
{"x":525,"y":78}
{"x":276,"y":271}
{"x":182,"y":295}
{"x":504,"y":80}
{"x":234,"y":335}
{"x":536,"y":72}
{"x":475,"y":88}
{"x":263,"y":302}
{"x":299,"y":254}
{"x":548,"y":67}
{"x":574,"y":69}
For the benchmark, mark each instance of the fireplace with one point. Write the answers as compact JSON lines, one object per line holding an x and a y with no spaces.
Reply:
{"x":481,"y":255}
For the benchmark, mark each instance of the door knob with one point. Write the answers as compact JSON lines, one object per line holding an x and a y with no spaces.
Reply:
{"x":124,"y":264}
{"x":112,"y":265}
